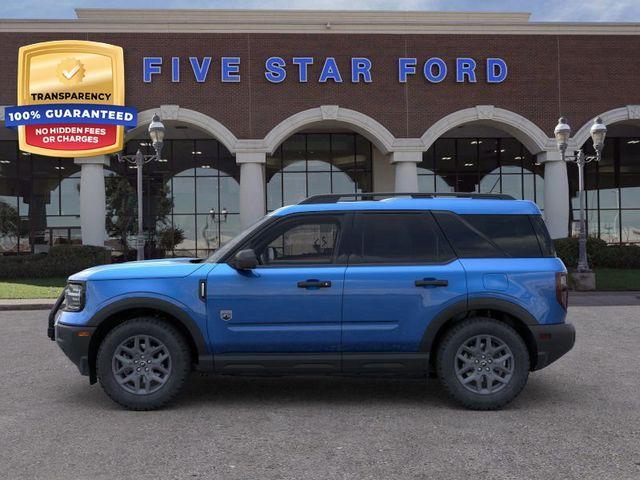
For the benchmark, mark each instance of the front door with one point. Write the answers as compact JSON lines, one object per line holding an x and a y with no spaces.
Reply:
{"x":402,"y":274}
{"x":289,"y":305}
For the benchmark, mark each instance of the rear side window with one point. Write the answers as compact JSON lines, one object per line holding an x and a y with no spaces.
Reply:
{"x":514,"y":234}
{"x":467,"y":241}
{"x":488,"y":236}
{"x":401,"y":238}
{"x":546,"y":244}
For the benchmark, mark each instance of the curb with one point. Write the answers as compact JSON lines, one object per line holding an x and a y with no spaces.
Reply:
{"x":10,"y":307}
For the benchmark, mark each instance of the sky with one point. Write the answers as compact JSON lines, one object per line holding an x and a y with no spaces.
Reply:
{"x":542,"y":10}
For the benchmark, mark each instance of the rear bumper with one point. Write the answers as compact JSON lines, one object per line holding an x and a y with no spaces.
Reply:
{"x":552,"y":342}
{"x":74,"y":342}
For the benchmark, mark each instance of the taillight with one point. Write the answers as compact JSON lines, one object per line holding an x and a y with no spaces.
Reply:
{"x":562,"y":289}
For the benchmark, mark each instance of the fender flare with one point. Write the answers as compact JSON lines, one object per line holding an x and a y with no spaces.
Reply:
{"x":205,"y":359}
{"x":463,"y":307}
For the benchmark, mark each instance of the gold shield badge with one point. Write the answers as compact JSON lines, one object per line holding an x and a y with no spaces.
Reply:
{"x":70,"y":85}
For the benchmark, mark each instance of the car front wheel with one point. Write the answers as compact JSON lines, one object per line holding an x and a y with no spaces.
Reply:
{"x":143,"y":363}
{"x":483,"y":363}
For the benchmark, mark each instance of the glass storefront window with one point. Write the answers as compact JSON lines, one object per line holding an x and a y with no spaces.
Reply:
{"x":630,"y":226}
{"x":612,"y":190}
{"x":485,"y":165}
{"x":195,"y":188}
{"x":314,"y":163}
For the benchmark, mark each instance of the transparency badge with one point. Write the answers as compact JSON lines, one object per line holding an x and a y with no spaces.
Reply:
{"x":70,"y":99}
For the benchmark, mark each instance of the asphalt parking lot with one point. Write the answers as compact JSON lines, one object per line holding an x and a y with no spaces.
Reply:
{"x":579,"y":418}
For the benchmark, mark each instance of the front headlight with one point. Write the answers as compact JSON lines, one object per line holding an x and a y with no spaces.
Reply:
{"x":74,"y":297}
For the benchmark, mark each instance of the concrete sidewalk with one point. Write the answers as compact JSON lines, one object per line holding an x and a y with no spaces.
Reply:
{"x":603,"y":299}
{"x":27,"y":304}
{"x":576,"y":299}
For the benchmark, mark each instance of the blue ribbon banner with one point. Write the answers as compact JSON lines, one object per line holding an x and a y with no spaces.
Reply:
{"x":70,"y":113}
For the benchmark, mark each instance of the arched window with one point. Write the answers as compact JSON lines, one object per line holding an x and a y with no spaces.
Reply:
{"x":314,"y":163}
{"x":484,"y":165}
{"x":194,"y":189}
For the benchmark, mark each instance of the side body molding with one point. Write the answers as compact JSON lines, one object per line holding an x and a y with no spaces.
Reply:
{"x":462,"y":308}
{"x":205,"y":359}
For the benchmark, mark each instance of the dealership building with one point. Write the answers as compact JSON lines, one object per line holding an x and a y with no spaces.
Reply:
{"x":265,"y":108}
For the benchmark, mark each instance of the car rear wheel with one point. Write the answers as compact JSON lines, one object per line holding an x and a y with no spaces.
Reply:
{"x":483,"y":363}
{"x":143,"y":363}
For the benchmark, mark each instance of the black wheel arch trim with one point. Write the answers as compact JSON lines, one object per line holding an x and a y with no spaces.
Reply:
{"x":205,"y":359}
{"x":463,"y":307}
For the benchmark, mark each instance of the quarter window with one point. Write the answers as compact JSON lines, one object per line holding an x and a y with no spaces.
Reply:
{"x":514,"y":234}
{"x":467,"y":241}
{"x":402,"y":238}
{"x":496,"y":236}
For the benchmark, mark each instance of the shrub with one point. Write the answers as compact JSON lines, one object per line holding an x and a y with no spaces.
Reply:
{"x":169,"y":237}
{"x":599,"y":254}
{"x":61,"y":261}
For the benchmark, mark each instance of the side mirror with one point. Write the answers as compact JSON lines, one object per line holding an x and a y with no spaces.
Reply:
{"x":245,"y":260}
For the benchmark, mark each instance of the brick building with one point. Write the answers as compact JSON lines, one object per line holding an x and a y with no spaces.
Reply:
{"x":264,"y":108}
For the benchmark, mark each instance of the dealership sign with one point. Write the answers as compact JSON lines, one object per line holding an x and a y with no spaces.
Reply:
{"x":323,"y":70}
{"x":70,"y":99}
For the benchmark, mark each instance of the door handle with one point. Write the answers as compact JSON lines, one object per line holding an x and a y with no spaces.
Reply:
{"x":314,"y":284}
{"x":432,"y":282}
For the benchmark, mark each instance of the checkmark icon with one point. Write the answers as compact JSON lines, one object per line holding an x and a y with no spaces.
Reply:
{"x":71,"y":73}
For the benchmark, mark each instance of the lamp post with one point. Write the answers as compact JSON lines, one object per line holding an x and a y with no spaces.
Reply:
{"x":156,"y":133}
{"x":562,"y":133}
{"x":210,"y":230}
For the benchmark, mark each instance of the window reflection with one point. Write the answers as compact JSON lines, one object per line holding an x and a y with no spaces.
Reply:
{"x":485,"y":165}
{"x":315,"y":163}
{"x":612,"y":191}
{"x":39,"y":200}
{"x":200,"y":181}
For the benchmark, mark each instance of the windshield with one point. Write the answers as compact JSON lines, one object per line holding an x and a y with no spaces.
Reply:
{"x":235,"y":241}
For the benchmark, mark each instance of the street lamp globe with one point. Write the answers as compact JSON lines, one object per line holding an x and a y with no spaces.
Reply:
{"x":598,"y":132}
{"x":562,"y":133}
{"x":156,"y":133}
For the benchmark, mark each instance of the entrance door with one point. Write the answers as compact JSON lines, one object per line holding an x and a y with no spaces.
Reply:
{"x":290,"y":304}
{"x":401,"y":276}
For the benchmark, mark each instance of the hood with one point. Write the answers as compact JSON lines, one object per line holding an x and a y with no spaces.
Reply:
{"x":165,"y":268}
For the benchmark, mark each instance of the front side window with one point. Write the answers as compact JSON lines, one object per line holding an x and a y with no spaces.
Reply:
{"x":402,"y":238}
{"x":301,"y":242}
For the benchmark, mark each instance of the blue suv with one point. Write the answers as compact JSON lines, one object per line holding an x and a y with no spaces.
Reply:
{"x":463,"y":286}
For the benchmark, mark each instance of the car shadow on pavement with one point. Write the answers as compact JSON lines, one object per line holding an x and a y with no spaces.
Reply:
{"x":407,"y":392}
{"x":225,"y":391}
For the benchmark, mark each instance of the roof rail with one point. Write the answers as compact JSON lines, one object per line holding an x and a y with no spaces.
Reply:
{"x":364,"y":196}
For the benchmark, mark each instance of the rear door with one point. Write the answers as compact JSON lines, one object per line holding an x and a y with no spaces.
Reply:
{"x":402,"y":272}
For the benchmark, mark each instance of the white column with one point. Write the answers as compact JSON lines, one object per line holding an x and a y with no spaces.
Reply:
{"x":556,"y":194}
{"x":406,"y":167}
{"x":92,"y":199}
{"x":252,"y":193}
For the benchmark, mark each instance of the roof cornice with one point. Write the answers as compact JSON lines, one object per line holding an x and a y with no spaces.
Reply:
{"x":309,"y":21}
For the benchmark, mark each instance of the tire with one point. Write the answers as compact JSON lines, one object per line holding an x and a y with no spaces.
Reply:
{"x":136,"y":381}
{"x":504,"y":367}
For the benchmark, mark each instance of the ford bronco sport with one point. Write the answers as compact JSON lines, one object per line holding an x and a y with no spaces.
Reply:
{"x":464,"y":286}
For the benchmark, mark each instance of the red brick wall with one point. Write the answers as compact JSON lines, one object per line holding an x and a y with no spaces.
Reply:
{"x":577,"y":76}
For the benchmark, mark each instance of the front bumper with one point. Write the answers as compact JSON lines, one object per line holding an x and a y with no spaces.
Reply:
{"x":552,"y":342}
{"x":74,"y":342}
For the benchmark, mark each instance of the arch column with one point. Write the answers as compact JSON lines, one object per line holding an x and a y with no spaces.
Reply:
{"x":93,"y":209}
{"x":252,"y":187}
{"x":406,"y":170}
{"x":556,"y":194}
